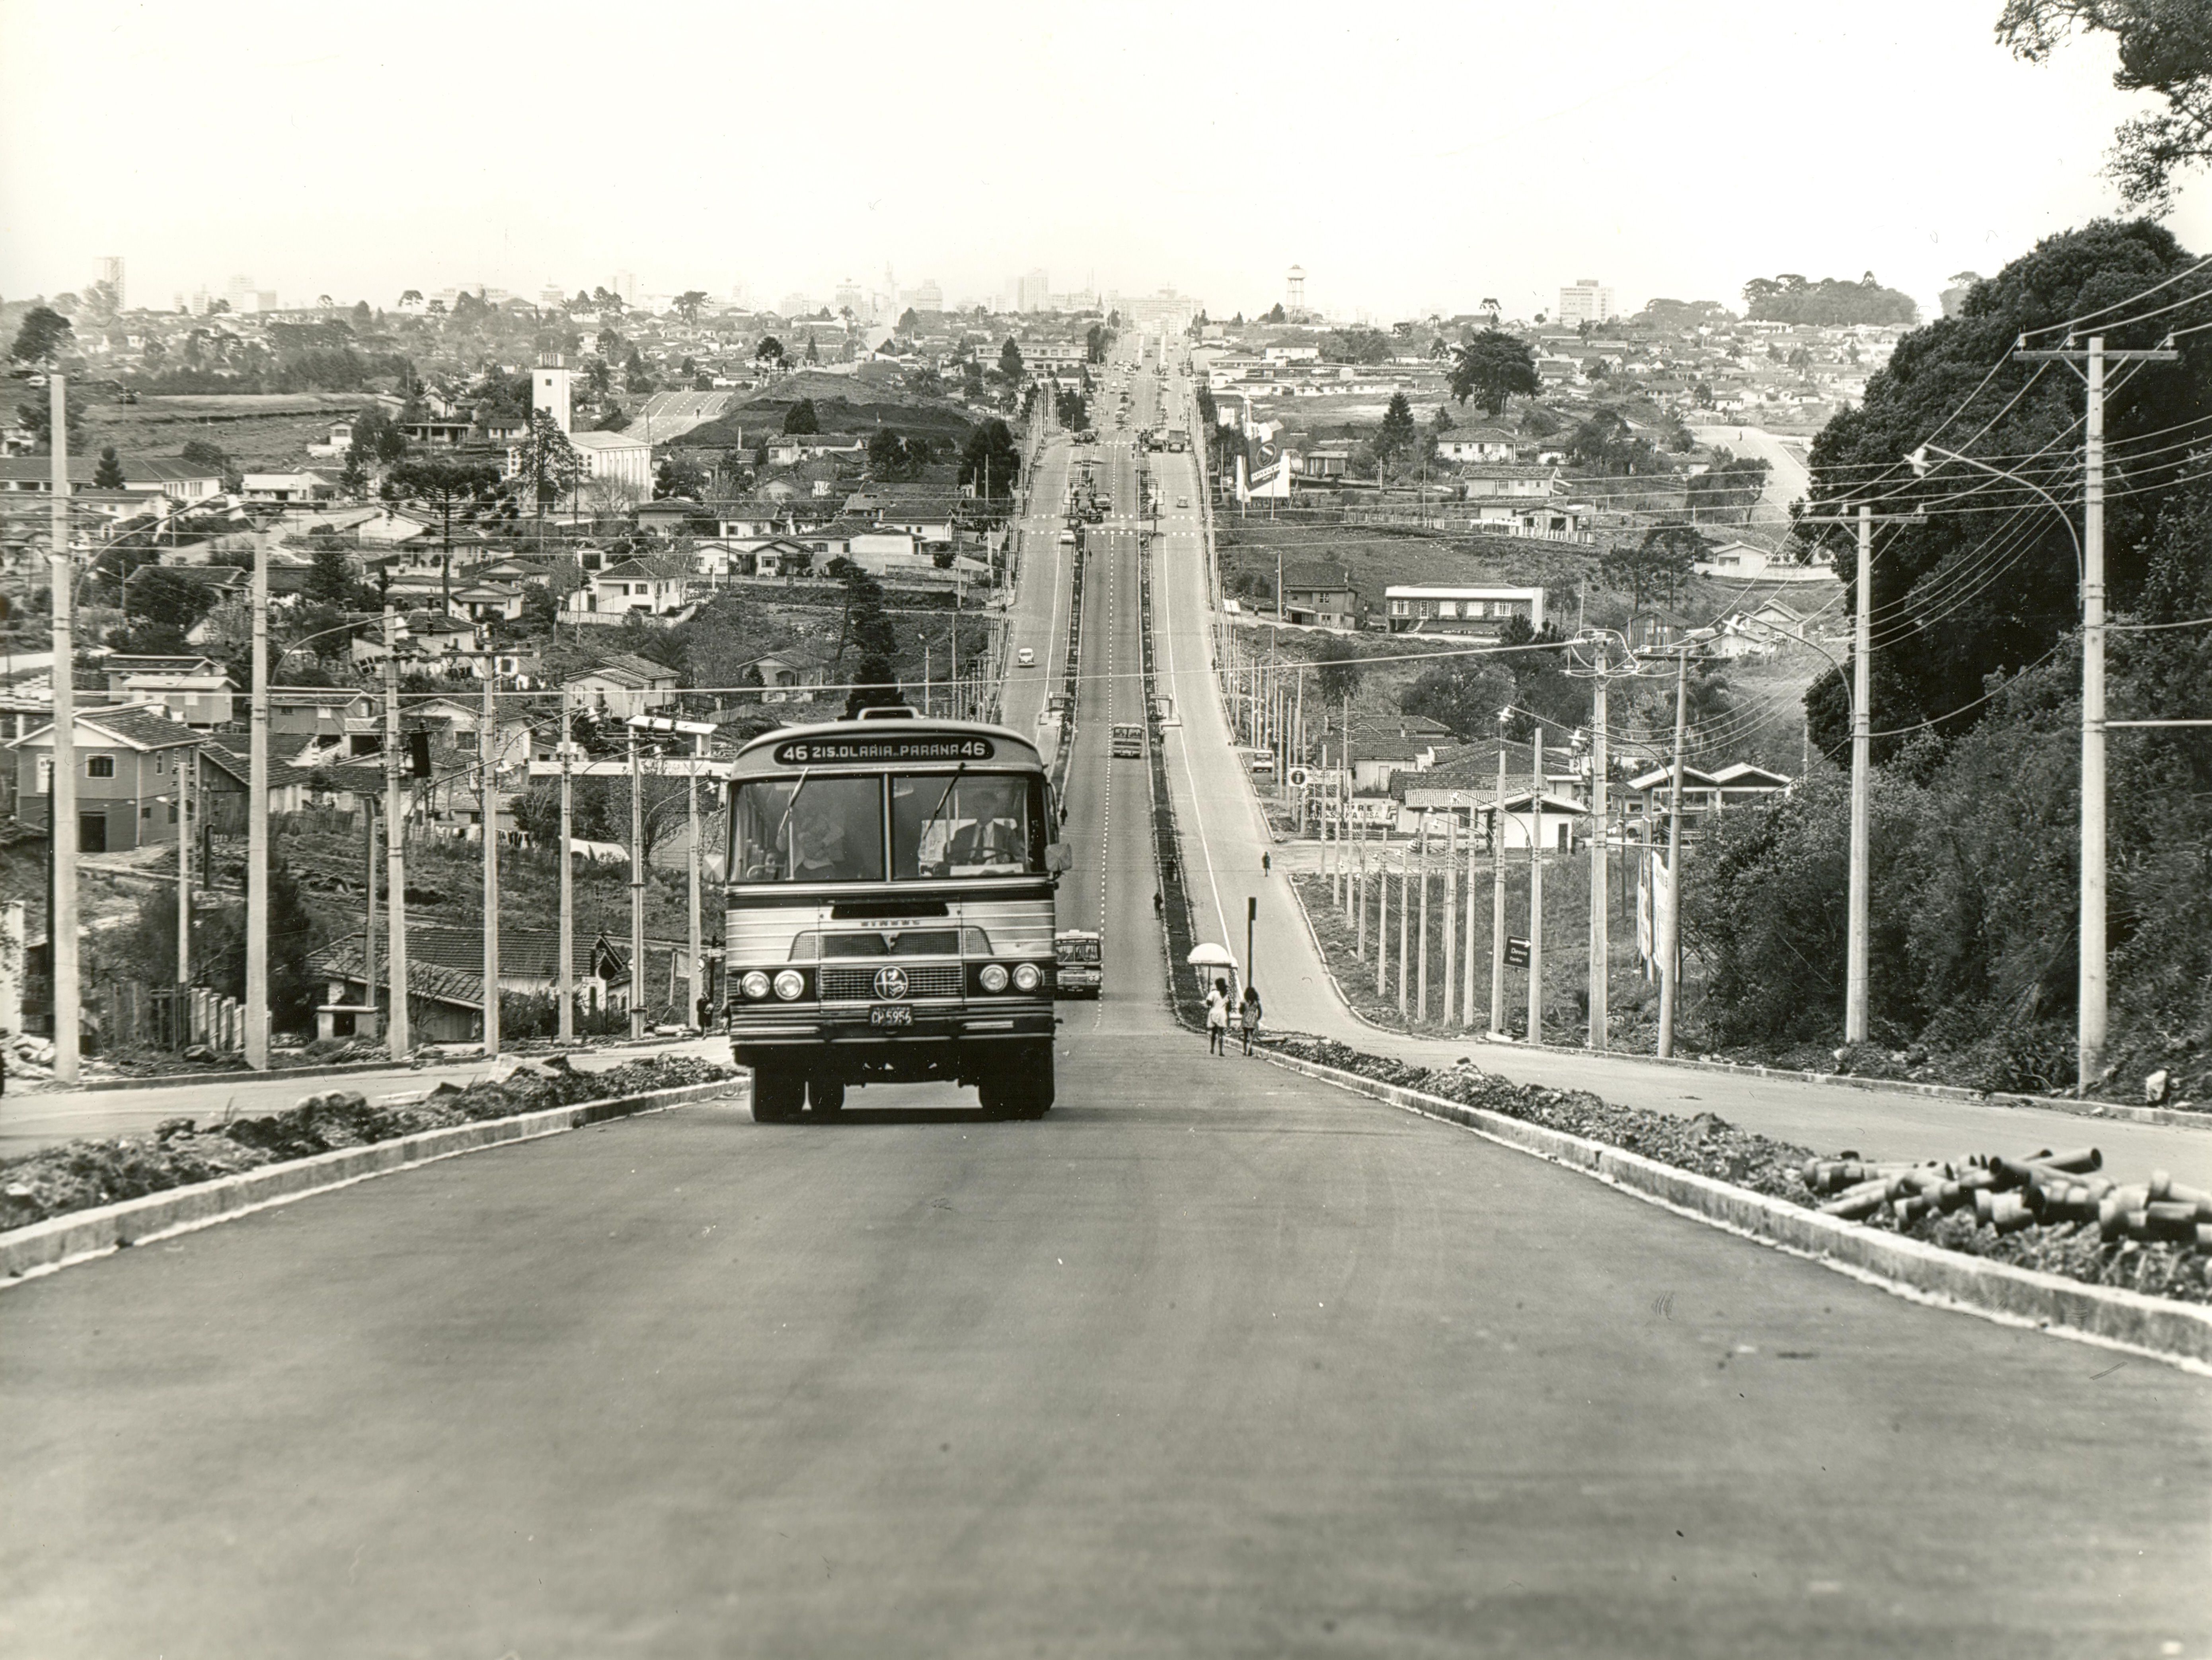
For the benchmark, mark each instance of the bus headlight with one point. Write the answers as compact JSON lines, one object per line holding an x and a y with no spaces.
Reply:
{"x":993,"y":977}
{"x":754,"y":984}
{"x":1027,"y":979}
{"x":789,"y":983}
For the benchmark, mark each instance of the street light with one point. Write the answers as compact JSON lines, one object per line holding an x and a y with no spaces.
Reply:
{"x":2089,"y":568}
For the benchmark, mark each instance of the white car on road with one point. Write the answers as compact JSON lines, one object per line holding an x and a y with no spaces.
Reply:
{"x":1025,"y":658}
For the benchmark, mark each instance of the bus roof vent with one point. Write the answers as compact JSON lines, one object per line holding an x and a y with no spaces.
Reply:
{"x":888,"y":712}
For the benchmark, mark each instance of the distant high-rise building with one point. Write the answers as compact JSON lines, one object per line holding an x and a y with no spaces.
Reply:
{"x":552,"y":296}
{"x":928,"y":297}
{"x":793,"y":305}
{"x":1294,"y":289}
{"x":239,"y":291}
{"x":1587,"y":301}
{"x":1034,"y":292}
{"x":111,"y":273}
{"x":625,"y":284}
{"x":852,"y":297}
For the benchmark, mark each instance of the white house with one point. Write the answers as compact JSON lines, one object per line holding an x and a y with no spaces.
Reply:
{"x":1485,"y":446}
{"x":1434,"y":608}
{"x":633,"y":585}
{"x":1555,"y":822}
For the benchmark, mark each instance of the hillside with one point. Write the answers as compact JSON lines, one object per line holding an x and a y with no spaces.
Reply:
{"x":841,"y":405}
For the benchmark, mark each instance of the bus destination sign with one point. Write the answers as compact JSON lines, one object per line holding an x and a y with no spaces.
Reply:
{"x":830,"y":752}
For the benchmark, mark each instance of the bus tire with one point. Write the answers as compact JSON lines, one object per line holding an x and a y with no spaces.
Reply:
{"x":826,"y":1096}
{"x":778,"y":1094}
{"x":1019,"y":1088}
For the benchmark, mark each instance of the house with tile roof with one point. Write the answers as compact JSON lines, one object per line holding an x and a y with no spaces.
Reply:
{"x":126,"y":760}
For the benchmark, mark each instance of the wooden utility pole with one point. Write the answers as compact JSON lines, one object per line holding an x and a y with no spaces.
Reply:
{"x":401,"y":1039}
{"x":1452,"y":911}
{"x":1536,"y":892}
{"x":636,"y":894}
{"x":695,"y":941}
{"x":187,"y":764}
{"x":1497,"y":897}
{"x":1421,"y":973}
{"x":567,"y":956}
{"x":368,"y":924}
{"x":257,"y":828}
{"x":61,"y":801}
{"x":488,"y":811}
{"x":1670,"y":937}
{"x":1600,"y":875}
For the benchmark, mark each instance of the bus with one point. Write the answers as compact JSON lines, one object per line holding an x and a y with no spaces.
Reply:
{"x":1128,"y":739}
{"x":890,"y":912}
{"x":1081,"y":967}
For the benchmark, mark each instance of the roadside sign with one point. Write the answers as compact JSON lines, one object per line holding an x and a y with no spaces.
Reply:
{"x":1516,"y":952}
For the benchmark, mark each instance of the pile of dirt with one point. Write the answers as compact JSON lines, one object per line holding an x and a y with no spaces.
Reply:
{"x":80,"y":1174}
{"x":2122,"y":1242}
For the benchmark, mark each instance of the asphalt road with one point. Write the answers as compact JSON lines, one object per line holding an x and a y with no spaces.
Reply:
{"x":1212,"y":1361}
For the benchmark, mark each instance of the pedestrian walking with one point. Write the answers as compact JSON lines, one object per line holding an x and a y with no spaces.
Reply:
{"x":1216,"y":1019}
{"x":1267,"y":863}
{"x":1248,"y":1015}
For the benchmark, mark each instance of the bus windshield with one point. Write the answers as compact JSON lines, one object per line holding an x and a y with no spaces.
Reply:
{"x":1076,"y":950}
{"x":965,"y":824}
{"x":809,"y":829}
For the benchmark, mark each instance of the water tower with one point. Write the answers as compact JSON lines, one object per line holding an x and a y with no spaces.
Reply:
{"x":1294,"y":298}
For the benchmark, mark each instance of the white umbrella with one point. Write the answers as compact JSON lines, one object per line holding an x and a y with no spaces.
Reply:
{"x":1211,"y":956}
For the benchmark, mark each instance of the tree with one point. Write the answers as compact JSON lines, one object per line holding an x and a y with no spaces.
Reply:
{"x":769,"y":351}
{"x":1360,"y":345}
{"x":1953,"y":619}
{"x":2164,"y":47}
{"x":1465,"y":693}
{"x":1397,"y":435}
{"x":1339,"y":671}
{"x":1491,"y":369}
{"x":330,"y":581}
{"x":409,"y":297}
{"x":991,"y":463}
{"x":1735,"y":484}
{"x":679,"y":476}
{"x":1010,"y":367}
{"x":1832,"y":302}
{"x":35,"y":416}
{"x":546,"y":466}
{"x":892,"y":457}
{"x":813,"y":352}
{"x":908,"y":324}
{"x":200,"y":452}
{"x":1660,"y":561}
{"x":800,"y":418}
{"x":108,"y":475}
{"x":450,"y":488}
{"x":44,"y":334}
{"x":1094,"y":344}
{"x":377,"y":438}
{"x":687,"y":305}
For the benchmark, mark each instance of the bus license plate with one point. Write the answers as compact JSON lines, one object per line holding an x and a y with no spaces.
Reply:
{"x":890,"y":1014}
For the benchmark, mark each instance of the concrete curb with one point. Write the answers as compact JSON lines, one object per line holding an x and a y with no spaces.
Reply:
{"x":60,"y":1241}
{"x":2178,"y":1333}
{"x":1948,"y":1092}
{"x":337,"y":1069}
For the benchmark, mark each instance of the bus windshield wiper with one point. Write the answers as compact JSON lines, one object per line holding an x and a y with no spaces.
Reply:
{"x":789,"y":862}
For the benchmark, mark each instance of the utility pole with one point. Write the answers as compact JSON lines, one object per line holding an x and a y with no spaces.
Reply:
{"x":187,"y":764}
{"x":488,"y":810}
{"x":1466,"y":978}
{"x":1855,"y":948}
{"x":1536,"y":892}
{"x":2092,"y":988}
{"x":636,"y":894}
{"x":567,"y":956}
{"x":257,"y":828}
{"x":61,"y":803}
{"x":395,"y":843}
{"x":369,"y":925}
{"x":1670,"y":937}
{"x":1421,"y":974}
{"x":1383,"y":919}
{"x":1497,"y":896}
{"x":1451,"y":911}
{"x":1405,"y":923}
{"x":696,"y":942}
{"x":1601,"y":878}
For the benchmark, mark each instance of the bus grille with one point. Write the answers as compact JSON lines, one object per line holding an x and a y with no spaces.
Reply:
{"x":927,"y":979}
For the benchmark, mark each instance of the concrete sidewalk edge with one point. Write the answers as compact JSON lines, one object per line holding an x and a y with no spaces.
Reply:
{"x":2178,"y":1333}
{"x":81,"y":1235}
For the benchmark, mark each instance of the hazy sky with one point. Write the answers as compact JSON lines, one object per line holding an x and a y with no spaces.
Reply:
{"x":1411,"y":156}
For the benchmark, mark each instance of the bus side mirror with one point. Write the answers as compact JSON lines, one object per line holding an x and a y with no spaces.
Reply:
{"x":1059,"y":858}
